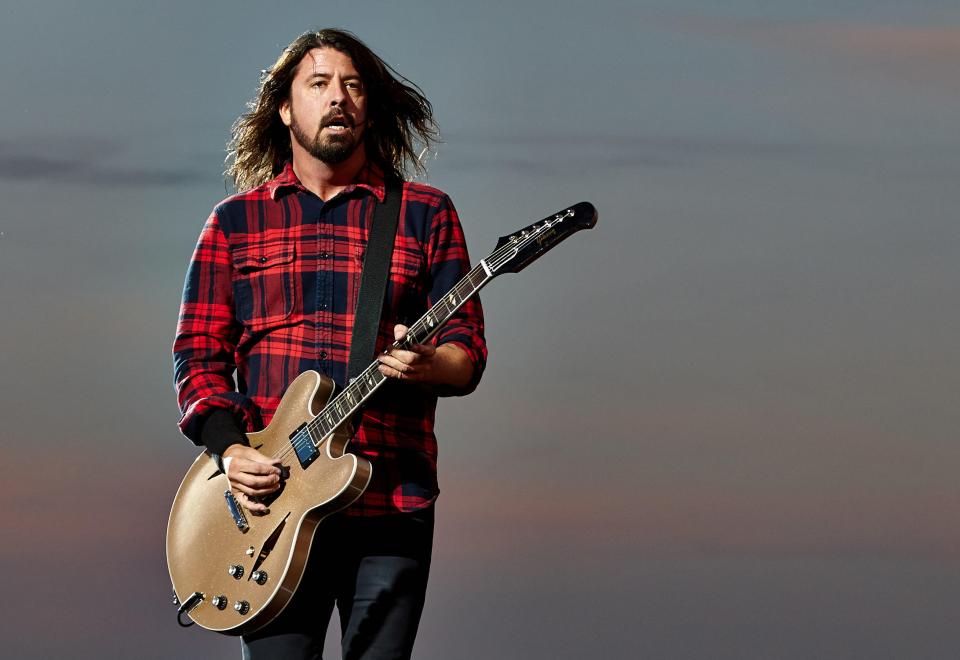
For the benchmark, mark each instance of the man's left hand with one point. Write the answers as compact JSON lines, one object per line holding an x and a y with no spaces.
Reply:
{"x":447,"y":365}
{"x":414,"y":364}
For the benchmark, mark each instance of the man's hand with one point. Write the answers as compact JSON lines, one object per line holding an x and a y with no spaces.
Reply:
{"x":426,"y":364}
{"x":251,"y":474}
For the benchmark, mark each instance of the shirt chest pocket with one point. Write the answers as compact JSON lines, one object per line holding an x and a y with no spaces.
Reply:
{"x":404,"y":284}
{"x":264,"y":284}
{"x":406,"y":267}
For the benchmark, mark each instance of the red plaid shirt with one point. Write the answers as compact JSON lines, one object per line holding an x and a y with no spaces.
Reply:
{"x":271,"y":292}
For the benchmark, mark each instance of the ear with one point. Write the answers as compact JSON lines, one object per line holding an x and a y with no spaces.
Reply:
{"x":284,"y":111}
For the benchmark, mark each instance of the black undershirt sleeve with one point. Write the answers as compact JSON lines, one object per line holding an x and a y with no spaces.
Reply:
{"x":220,"y":430}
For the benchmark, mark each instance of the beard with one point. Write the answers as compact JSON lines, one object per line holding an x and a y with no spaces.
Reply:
{"x":332,"y":148}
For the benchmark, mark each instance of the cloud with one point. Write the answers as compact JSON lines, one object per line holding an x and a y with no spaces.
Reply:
{"x":925,"y":54}
{"x":922,"y":44}
{"x":861,"y":39}
{"x":86,"y":161}
{"x":551,"y":153}
{"x":554,"y":154}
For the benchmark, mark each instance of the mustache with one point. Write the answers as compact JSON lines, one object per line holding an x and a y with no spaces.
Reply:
{"x":340,"y":117}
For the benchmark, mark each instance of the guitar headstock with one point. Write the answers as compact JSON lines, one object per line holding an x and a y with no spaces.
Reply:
{"x":517,"y":250}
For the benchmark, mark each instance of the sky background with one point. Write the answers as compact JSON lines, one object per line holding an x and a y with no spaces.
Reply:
{"x":722,"y":424}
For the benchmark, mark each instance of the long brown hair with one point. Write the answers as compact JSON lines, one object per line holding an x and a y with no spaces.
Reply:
{"x":399,"y":116}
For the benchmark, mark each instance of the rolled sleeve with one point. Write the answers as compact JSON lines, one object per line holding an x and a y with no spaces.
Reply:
{"x":449,"y":263}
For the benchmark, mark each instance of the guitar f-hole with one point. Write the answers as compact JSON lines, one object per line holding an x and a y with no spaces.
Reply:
{"x":268,"y":545}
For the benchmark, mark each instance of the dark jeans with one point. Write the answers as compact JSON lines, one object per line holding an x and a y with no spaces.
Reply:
{"x":375,"y":570}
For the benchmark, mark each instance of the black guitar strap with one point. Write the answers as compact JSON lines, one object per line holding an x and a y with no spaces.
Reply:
{"x":373,"y":279}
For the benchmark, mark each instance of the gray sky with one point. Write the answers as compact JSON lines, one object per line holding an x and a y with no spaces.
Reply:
{"x":720,"y":425}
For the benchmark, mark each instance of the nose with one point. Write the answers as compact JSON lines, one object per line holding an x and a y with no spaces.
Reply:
{"x":337,"y":93}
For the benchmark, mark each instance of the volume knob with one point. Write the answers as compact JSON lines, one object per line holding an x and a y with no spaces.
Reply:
{"x":242,"y":606}
{"x":260,"y":577}
{"x":236,"y":570}
{"x":220,"y":602}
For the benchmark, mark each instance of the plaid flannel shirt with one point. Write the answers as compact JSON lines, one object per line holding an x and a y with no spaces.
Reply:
{"x":271,"y":292}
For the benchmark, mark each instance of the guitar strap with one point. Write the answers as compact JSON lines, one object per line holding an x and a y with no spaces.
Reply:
{"x":373,"y":278}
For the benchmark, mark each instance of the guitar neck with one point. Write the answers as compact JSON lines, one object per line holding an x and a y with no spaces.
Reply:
{"x":343,"y":406}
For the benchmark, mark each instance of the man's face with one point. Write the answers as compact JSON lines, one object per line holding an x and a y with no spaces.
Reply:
{"x":327,"y":107}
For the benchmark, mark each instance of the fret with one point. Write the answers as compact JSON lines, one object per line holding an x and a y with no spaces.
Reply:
{"x":316,"y":431}
{"x":304,"y":436}
{"x":416,"y":334}
{"x":477,"y":277}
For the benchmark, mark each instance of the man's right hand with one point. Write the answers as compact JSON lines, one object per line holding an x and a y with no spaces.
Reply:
{"x":251,"y":474}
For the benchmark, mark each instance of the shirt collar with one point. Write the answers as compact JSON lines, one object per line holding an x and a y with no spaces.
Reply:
{"x":369,"y":178}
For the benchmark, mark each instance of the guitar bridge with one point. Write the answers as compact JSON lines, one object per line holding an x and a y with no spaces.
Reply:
{"x":236,"y":512}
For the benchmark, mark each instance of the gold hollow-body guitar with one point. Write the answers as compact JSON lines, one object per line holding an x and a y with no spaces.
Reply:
{"x":234,"y":572}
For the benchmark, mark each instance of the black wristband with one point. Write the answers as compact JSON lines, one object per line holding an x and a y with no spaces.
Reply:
{"x":220,"y":430}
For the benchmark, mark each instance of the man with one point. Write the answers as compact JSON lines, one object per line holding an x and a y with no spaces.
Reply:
{"x":271,"y":292}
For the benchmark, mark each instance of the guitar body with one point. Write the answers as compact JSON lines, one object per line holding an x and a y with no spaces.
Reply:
{"x":204,"y":540}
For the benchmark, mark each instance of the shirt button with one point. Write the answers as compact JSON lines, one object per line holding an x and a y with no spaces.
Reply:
{"x":324,"y":255}
{"x":323,"y":355}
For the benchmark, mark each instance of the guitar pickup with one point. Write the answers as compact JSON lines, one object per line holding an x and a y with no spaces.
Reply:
{"x":236,"y":512}
{"x":302,"y":444}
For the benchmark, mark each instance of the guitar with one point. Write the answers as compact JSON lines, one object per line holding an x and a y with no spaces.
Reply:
{"x":233,"y":573}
